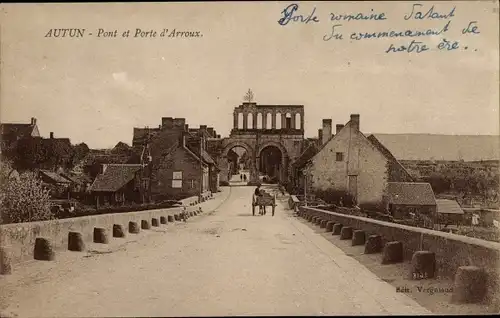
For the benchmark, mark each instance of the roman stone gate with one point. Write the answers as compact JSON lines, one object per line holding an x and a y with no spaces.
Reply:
{"x":272,"y":136}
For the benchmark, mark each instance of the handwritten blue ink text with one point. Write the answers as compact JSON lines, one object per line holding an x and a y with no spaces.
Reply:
{"x":471,"y":28}
{"x":394,"y":34}
{"x":358,"y":16}
{"x":430,"y":14}
{"x":288,"y":15}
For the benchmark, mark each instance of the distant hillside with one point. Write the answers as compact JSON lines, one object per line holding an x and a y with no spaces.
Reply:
{"x":441,"y":147}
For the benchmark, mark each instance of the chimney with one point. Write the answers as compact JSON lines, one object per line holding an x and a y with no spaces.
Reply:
{"x":51,"y":135}
{"x":218,"y":136}
{"x":338,"y":128}
{"x":103,"y":168}
{"x":178,"y":123}
{"x":203,"y":127}
{"x":167,"y":122}
{"x":186,"y":127}
{"x":320,"y":135}
{"x":355,"y":121}
{"x":327,"y":130}
{"x":33,"y":121}
{"x":210,"y":131}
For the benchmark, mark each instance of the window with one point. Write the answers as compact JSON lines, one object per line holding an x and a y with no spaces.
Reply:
{"x":177,"y":179}
{"x":339,"y":156}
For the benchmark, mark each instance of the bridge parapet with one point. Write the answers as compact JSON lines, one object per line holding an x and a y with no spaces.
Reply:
{"x":451,"y":251}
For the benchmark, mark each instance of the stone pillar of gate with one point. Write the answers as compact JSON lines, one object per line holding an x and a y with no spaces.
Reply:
{"x":224,"y":173}
{"x":254,"y":173}
{"x":235,"y":120}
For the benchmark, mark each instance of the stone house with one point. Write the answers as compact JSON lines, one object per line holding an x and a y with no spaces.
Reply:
{"x":177,"y":170}
{"x":349,"y":162}
{"x":119,"y":184}
{"x":410,"y":200}
{"x":10,"y":133}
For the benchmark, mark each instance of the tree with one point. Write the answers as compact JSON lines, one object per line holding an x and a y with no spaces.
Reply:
{"x":248,"y":96}
{"x":23,"y":199}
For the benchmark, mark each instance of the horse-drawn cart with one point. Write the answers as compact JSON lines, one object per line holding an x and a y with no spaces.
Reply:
{"x":263,"y":201}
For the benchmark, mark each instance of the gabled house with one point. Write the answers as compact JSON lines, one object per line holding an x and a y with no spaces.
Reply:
{"x":181,"y":167}
{"x":350,"y":162}
{"x":406,"y":199}
{"x":58,"y":185}
{"x":10,"y":133}
{"x":119,"y":184}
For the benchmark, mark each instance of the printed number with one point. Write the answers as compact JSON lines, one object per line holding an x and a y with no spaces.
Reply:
{"x":420,"y":275}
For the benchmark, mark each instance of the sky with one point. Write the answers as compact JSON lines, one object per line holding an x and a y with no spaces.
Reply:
{"x":96,"y":90}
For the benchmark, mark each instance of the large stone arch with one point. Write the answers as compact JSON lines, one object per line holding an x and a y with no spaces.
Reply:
{"x":238,"y":143}
{"x":284,"y":156}
{"x":278,"y":145}
{"x":230,"y":144}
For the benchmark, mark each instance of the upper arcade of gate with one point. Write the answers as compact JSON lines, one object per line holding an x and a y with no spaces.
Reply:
{"x":286,"y":118}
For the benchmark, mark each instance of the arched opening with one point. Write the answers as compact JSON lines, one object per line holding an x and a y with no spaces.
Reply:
{"x":270,"y":164}
{"x":278,"y":120}
{"x":259,"y":121}
{"x":288,"y":121}
{"x":269,"y":121}
{"x":239,"y":163}
{"x":298,"y":121}
{"x":240,"y":121}
{"x":250,"y":121}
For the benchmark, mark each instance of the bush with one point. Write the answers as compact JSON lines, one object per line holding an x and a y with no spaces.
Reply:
{"x":24,"y":199}
{"x":334,"y":197}
{"x":224,"y":184}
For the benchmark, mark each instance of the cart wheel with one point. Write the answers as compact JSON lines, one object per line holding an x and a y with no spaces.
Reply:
{"x":253,"y":210}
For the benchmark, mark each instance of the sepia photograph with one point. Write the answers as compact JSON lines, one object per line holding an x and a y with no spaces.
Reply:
{"x":267,"y":158}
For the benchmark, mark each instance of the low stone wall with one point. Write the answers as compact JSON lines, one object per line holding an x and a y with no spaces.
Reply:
{"x":194,"y":199}
{"x":451,"y":251}
{"x":19,"y":238}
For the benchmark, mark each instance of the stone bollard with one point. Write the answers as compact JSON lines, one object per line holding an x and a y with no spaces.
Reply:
{"x":75,"y":242}
{"x":118,"y":230}
{"x":170,"y":218}
{"x":133,"y":227}
{"x":322,"y":224}
{"x":346,"y":233}
{"x":154,"y":222}
{"x":470,"y":285}
{"x":163,"y":220}
{"x":191,"y":214}
{"x":100,"y":235}
{"x":337,"y":227}
{"x":393,"y":253}
{"x":423,"y":265}
{"x":373,"y":244}
{"x":318,"y":220}
{"x":358,"y":237}
{"x":43,"y":250}
{"x":177,"y":217}
{"x":329,"y":226}
{"x":145,"y":225}
{"x":5,"y":262}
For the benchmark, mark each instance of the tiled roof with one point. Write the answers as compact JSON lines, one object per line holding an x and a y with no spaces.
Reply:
{"x":410,"y":193}
{"x":306,"y":155}
{"x":448,"y":207}
{"x":20,"y":130}
{"x":115,"y":177}
{"x":54,"y":176}
{"x":441,"y":147}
